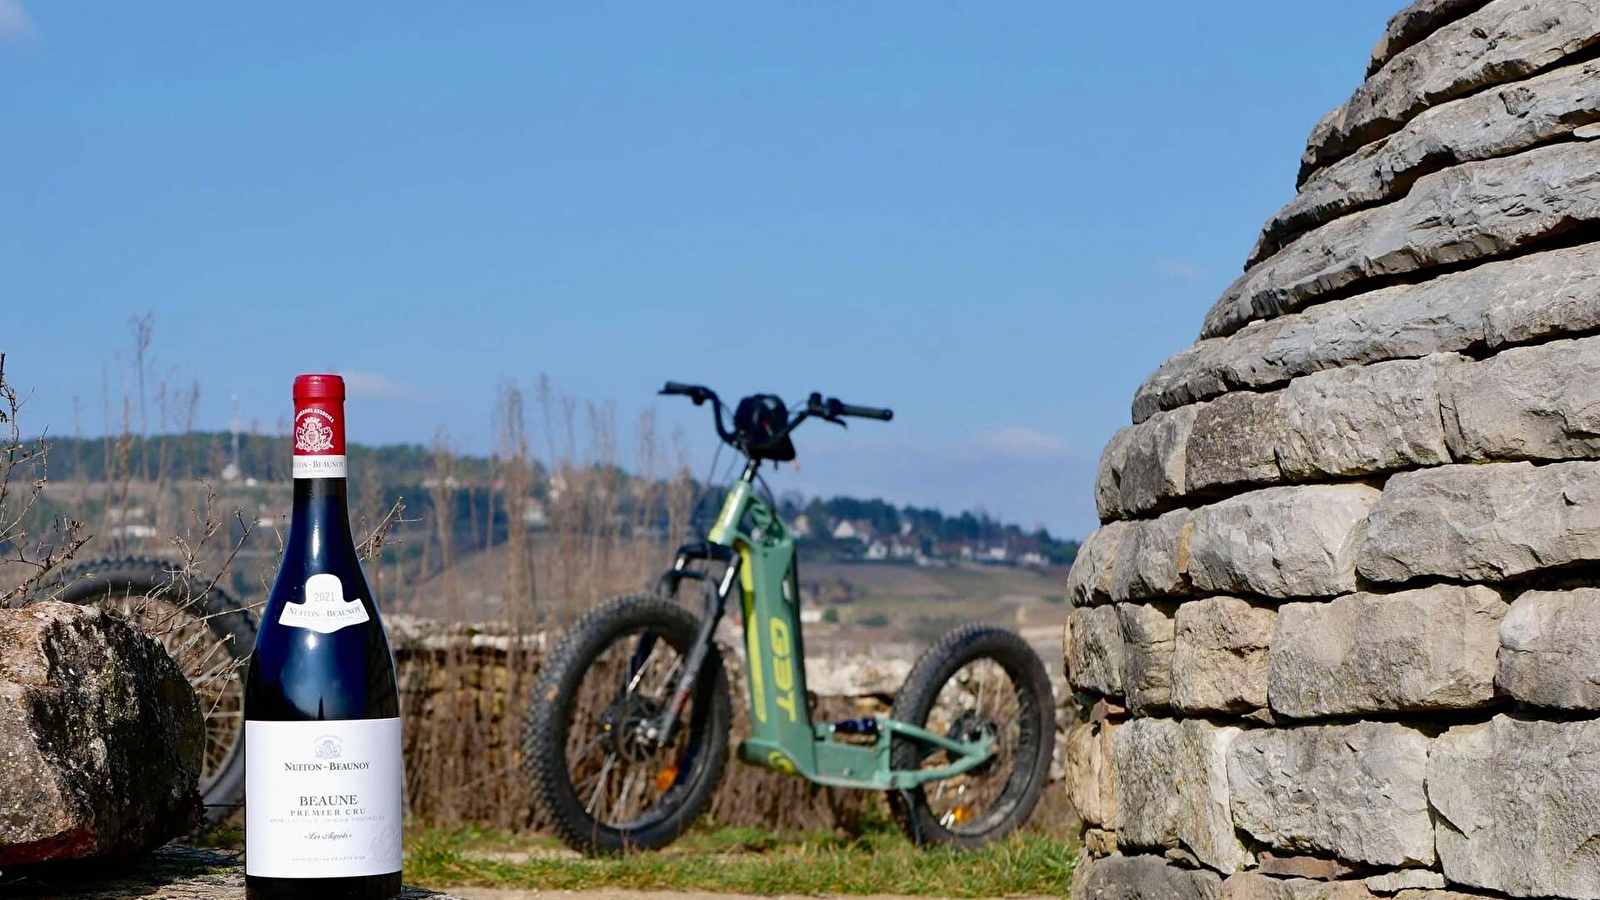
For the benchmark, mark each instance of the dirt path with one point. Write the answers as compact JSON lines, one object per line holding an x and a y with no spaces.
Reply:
{"x":504,"y":894}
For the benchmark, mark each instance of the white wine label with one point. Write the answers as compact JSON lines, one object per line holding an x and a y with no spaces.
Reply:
{"x":325,"y":609}
{"x":319,"y":466}
{"x":322,"y":799}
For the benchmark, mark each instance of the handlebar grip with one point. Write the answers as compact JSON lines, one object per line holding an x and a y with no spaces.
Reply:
{"x":673,"y":387}
{"x":865,"y":412}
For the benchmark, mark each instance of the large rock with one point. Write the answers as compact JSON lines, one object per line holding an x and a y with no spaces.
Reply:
{"x":854,"y":676}
{"x":1498,"y":304}
{"x":1504,"y":41}
{"x":100,"y":738}
{"x":1527,"y":403}
{"x":1518,"y":804}
{"x":1432,"y":648}
{"x":1172,"y":790}
{"x":1094,"y":650}
{"x":1482,"y":522}
{"x":1496,"y":122}
{"x":1220,"y":661}
{"x":1350,"y":791}
{"x":1283,"y":542}
{"x":1141,"y":878}
{"x":1148,"y":632}
{"x":1547,"y":649}
{"x":1469,"y":212}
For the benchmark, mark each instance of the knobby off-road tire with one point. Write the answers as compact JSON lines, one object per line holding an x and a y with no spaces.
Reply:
{"x":564,"y":727}
{"x":998,"y":797}
{"x":210,"y":637}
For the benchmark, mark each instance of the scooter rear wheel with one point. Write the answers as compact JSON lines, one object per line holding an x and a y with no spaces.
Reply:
{"x":977,"y":681}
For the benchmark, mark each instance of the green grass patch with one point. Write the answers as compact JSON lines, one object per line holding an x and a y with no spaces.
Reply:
{"x":749,"y":861}
{"x":222,"y":837}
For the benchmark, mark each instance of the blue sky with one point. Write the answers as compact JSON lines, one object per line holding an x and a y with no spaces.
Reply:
{"x":996,"y":218}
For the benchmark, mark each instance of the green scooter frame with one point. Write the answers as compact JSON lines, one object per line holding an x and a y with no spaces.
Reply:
{"x":783,"y":737}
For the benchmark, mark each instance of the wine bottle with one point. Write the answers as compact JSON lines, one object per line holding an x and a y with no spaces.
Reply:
{"x":322,"y":718}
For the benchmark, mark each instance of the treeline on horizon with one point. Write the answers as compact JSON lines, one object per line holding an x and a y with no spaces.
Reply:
{"x":404,"y":469}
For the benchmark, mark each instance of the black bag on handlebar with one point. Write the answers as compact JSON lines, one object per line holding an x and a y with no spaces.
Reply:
{"x":759,"y":421}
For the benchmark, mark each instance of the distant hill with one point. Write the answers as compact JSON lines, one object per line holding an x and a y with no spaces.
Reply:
{"x":843,"y":528}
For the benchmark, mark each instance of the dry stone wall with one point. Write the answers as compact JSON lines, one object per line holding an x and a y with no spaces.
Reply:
{"x":463,"y":691}
{"x":464,"y":688}
{"x":1339,"y":633}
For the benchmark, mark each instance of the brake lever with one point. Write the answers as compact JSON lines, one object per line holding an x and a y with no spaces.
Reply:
{"x":697,"y":396}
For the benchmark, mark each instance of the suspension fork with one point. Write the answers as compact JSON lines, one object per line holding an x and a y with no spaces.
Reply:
{"x":665,"y":726}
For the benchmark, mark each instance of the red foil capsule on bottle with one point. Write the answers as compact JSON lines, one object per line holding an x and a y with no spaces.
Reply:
{"x":319,"y":426}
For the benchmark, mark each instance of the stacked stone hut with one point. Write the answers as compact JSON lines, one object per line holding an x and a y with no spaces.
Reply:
{"x":1339,"y":634}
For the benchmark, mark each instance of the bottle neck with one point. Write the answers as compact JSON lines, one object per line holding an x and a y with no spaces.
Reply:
{"x":320,"y":525}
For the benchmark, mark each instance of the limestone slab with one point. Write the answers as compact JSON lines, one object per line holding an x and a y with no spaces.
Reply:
{"x":1496,"y":122}
{"x":1503,"y":41}
{"x":1142,"y":878}
{"x":1483,"y":522}
{"x":1148,"y":633}
{"x":1470,"y":212}
{"x":1433,"y":648}
{"x":1537,"y":403}
{"x":1283,"y":542}
{"x":1354,"y":792}
{"x":1172,"y":790}
{"x":1095,"y":650}
{"x":1518,"y":804}
{"x":1548,"y":647}
{"x":1220,"y":660}
{"x":1498,"y":304}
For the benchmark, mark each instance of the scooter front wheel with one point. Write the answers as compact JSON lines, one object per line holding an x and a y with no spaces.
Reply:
{"x":598,"y":773}
{"x":977,"y":682}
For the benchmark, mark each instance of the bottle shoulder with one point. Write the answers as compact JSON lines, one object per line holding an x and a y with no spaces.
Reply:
{"x":322,"y":651}
{"x":300,"y":670}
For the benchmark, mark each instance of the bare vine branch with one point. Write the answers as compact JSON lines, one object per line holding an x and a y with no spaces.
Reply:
{"x":24,"y":471}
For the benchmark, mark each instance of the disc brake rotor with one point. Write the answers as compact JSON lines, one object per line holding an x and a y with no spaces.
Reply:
{"x":972,"y":727}
{"x":625,"y":724}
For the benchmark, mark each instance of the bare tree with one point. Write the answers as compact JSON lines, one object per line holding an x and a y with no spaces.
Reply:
{"x":513,"y":451}
{"x":143,"y":328}
{"x":24,"y":470}
{"x":442,"y":491}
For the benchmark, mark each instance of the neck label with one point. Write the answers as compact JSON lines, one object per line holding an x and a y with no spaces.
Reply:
{"x":325,"y":609}
{"x":319,"y":467}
